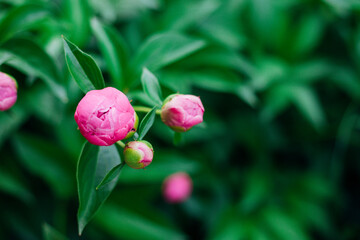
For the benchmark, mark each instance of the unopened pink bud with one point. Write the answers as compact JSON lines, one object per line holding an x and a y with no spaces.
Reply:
{"x":104,"y":116}
{"x":177,"y":187}
{"x":138,"y":154}
{"x":181,"y":112}
{"x":8,"y":91}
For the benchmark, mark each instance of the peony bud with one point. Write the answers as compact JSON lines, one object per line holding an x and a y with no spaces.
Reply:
{"x":177,"y":187}
{"x":8,"y":91}
{"x":105,"y":116}
{"x":181,"y":112}
{"x":138,"y":154}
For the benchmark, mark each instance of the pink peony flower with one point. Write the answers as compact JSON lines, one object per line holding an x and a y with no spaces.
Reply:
{"x":8,"y":91}
{"x":177,"y":187}
{"x":181,"y":112}
{"x":104,"y":116}
{"x":138,"y":154}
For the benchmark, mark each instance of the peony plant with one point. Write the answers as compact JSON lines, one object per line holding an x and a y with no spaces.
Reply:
{"x":109,"y":123}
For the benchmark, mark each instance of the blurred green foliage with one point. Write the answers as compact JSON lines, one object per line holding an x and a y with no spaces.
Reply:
{"x":277,"y":156}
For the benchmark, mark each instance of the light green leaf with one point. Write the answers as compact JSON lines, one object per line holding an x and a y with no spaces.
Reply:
{"x":83,"y":68}
{"x":94,"y":163}
{"x":224,"y":81}
{"x":163,"y":49}
{"x":151,"y":86}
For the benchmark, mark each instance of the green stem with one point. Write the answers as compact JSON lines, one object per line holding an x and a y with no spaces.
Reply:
{"x":145,"y":109}
{"x":121,"y":144}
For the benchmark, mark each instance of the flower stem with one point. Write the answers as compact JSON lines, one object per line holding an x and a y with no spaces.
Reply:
{"x":145,"y":109}
{"x":121,"y":144}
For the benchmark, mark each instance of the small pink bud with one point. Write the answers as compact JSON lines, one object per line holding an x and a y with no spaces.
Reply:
{"x":181,"y":112}
{"x":177,"y":187}
{"x":8,"y":91}
{"x":138,"y":154}
{"x":104,"y":116}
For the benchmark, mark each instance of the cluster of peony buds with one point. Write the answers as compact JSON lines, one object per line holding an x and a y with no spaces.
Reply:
{"x":8,"y":91}
{"x":106,"y":116}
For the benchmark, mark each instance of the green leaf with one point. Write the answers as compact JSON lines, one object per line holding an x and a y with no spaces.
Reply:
{"x":30,"y":58}
{"x":146,"y":123}
{"x":21,"y":18}
{"x":283,"y":226}
{"x":10,"y":121}
{"x":94,"y":163}
{"x":217,"y":56}
{"x":83,"y":68}
{"x":10,"y":184}
{"x":224,"y":81}
{"x":124,"y":224}
{"x":112,"y":47}
{"x":45,"y":159}
{"x":308,"y":104}
{"x":110,"y":176}
{"x":180,"y":16}
{"x":163,"y":49}
{"x":50,"y":233}
{"x":309,"y":32}
{"x":151,"y":86}
{"x":77,"y":14}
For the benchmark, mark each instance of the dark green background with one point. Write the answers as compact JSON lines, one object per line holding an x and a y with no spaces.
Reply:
{"x":276,"y":158}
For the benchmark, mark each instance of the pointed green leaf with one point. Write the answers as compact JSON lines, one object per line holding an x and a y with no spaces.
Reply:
{"x":146,"y":123}
{"x":94,"y":163}
{"x":151,"y":86}
{"x":114,"y":173}
{"x":83,"y":68}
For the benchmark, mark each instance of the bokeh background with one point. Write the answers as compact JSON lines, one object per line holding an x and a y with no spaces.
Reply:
{"x":277,"y":156}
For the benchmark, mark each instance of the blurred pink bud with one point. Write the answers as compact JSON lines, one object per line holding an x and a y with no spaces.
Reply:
{"x":177,"y":187}
{"x":104,"y":116}
{"x":8,"y":91}
{"x":181,"y":112}
{"x":138,"y":154}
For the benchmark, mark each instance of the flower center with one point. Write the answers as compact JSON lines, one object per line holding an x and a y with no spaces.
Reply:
{"x":101,"y":114}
